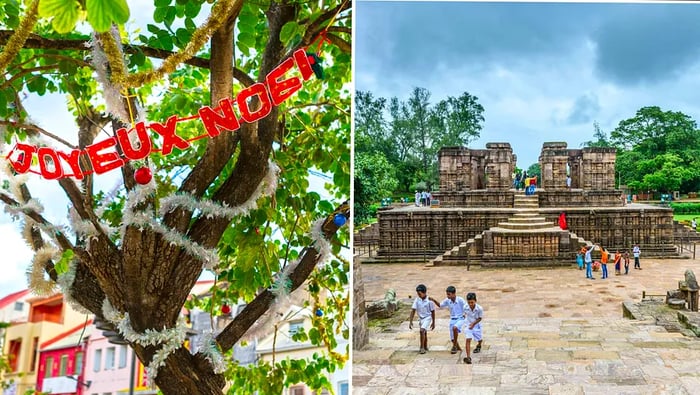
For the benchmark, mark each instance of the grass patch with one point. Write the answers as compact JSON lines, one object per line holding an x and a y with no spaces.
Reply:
{"x":685,"y":217}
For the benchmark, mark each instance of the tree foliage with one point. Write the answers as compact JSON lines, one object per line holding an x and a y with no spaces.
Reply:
{"x":374,"y":179}
{"x":141,"y":270}
{"x":409,"y":134}
{"x":658,"y":150}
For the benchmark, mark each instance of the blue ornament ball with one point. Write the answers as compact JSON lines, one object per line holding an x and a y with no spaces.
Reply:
{"x":339,"y":220}
{"x":319,"y":313}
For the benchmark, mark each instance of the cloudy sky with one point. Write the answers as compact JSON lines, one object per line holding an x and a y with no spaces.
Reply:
{"x":542,"y":71}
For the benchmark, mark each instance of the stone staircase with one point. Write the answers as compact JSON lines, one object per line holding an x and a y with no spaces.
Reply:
{"x":526,"y":239}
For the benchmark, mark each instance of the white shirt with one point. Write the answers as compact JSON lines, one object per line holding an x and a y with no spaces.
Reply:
{"x":636,"y":251}
{"x":423,"y":307}
{"x":456,"y":308}
{"x":693,"y":224}
{"x":473,"y":315}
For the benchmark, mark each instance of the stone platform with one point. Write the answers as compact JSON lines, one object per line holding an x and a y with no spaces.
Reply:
{"x":546,"y":331}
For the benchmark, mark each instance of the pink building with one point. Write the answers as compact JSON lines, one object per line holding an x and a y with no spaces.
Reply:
{"x":61,"y":362}
{"x":108,"y":368}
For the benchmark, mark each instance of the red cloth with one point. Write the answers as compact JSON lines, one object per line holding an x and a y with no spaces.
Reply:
{"x":562,"y":221}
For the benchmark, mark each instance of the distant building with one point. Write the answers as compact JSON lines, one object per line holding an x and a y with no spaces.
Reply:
{"x":61,"y":362}
{"x":284,"y":347}
{"x":47,"y":318}
{"x":108,"y":368}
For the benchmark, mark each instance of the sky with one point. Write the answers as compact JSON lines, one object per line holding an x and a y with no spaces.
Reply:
{"x":542,"y":71}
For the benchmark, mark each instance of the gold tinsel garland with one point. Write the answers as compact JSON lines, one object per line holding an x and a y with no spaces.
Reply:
{"x":220,"y":12}
{"x":16,"y":42}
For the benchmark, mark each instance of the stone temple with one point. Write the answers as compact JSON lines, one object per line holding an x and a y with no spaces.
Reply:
{"x":482,"y":219}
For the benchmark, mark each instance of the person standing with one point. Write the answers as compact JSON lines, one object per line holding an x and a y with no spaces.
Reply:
{"x":626,"y":258}
{"x":618,"y":260}
{"x":579,"y":260}
{"x":604,"y":262}
{"x":636,"y":251}
{"x":589,"y":262}
{"x":694,"y":224}
{"x":417,"y":199}
{"x":568,"y":181}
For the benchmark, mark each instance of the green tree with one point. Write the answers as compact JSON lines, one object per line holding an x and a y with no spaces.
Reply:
{"x":601,"y":138}
{"x":457,"y":120}
{"x":535,"y":170}
{"x":142,"y":248}
{"x":370,"y":126}
{"x":374,"y":179}
{"x":644,"y":143}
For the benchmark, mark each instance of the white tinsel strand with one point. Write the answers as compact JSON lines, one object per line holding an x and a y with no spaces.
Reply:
{"x":207,"y":345}
{"x":170,"y":339}
{"x":86,"y":228}
{"x":112,"y":93}
{"x":210,"y":209}
{"x":16,"y":211}
{"x":36,"y":274}
{"x":321,"y":245}
{"x":108,"y":199}
{"x":65,"y":282}
{"x":27,"y":229}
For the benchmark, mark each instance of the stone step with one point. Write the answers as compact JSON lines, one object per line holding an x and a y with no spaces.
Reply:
{"x":527,"y":213}
{"x":527,"y":225}
{"x":526,"y":219}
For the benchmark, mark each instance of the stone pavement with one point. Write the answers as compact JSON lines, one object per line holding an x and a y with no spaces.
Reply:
{"x":546,"y":331}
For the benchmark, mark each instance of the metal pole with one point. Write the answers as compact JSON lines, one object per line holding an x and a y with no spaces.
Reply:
{"x":133,"y":372}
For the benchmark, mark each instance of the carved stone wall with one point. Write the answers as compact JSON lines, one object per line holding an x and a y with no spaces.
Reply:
{"x":431,"y":232}
{"x":464,"y":169}
{"x":360,"y":333}
{"x":478,"y":198}
{"x":598,"y":168}
{"x":553,"y":161}
{"x":578,"y":198}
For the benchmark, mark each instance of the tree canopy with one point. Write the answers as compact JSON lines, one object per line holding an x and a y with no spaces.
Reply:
{"x":239,"y":203}
{"x":408,"y":135}
{"x":658,"y":150}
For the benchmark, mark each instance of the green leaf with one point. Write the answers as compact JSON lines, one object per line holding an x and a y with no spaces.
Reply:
{"x":62,"y":265}
{"x":247,"y":39}
{"x":183,"y":35}
{"x":288,"y":30}
{"x":101,"y":13}
{"x":162,"y":3}
{"x":64,"y":12}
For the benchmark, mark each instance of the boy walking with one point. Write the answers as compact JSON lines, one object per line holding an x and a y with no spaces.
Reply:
{"x":472,"y":327}
{"x":457,"y":306}
{"x":426,"y":316}
{"x":636,"y":251}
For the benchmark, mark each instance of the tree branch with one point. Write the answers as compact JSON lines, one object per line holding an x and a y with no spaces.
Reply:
{"x":262,"y":303}
{"x":35,"y":41}
{"x":37,"y":129}
{"x":339,"y":42}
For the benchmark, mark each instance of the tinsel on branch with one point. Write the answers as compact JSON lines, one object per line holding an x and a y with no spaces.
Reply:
{"x":36,"y":274}
{"x":210,"y":348}
{"x":170,"y":339}
{"x":65,"y":282}
{"x":320,"y":243}
{"x":17,"y":40}
{"x":220,"y":13}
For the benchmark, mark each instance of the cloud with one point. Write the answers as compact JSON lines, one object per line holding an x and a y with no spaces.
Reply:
{"x":585,"y":109}
{"x":16,"y":257}
{"x":647,"y":43}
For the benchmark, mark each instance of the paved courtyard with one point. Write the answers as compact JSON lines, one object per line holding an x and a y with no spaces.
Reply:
{"x":546,"y":331}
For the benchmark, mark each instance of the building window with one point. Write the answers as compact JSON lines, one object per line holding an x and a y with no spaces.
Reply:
{"x":35,"y":353}
{"x":296,"y":390}
{"x":78,"y":363}
{"x":109,"y":358}
{"x":14,"y":351}
{"x":63,"y":367}
{"x":48,"y":367}
{"x":122,"y":356}
{"x":295,"y":326}
{"x":97,"y":364}
{"x":343,"y":388}
{"x":19,"y":306}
